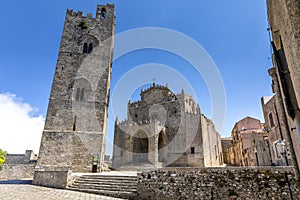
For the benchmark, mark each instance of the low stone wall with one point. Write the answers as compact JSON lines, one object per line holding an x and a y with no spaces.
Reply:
{"x":55,"y":179}
{"x":17,"y":172}
{"x":218,"y":183}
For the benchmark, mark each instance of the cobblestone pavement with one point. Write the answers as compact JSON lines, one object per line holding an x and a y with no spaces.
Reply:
{"x":31,"y":192}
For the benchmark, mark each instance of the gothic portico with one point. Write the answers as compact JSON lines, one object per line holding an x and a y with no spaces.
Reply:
{"x":164,"y":129}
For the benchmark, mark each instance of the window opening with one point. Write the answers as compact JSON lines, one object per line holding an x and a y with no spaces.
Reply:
{"x":192,"y":150}
{"x":103,"y":13}
{"x":78,"y":94}
{"x":85,"y":48}
{"x":74,"y":124}
{"x":271,"y":120}
{"x":90,"y":47}
{"x":82,"y":94}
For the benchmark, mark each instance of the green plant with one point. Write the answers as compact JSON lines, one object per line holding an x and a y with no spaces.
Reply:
{"x":2,"y":156}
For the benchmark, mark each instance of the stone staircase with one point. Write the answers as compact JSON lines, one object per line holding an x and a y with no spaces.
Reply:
{"x":114,"y":185}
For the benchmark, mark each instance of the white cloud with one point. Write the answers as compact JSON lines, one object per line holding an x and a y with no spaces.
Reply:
{"x":20,"y":126}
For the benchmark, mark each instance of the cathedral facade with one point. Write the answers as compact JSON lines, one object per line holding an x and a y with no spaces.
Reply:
{"x":163,"y":129}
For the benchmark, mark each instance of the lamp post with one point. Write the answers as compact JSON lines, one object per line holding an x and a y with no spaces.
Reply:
{"x":282,"y":149}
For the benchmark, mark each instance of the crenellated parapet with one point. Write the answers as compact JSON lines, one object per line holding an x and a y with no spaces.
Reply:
{"x":156,"y":86}
{"x":101,"y":12}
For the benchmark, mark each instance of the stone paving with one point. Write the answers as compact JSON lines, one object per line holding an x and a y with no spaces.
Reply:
{"x":17,"y":191}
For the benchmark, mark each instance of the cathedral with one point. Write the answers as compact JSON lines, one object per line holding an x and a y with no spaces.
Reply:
{"x":164,"y":129}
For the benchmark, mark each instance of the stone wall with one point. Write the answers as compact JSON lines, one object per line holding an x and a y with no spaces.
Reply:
{"x":284,"y":19}
{"x":275,"y":122}
{"x":73,"y":151}
{"x":55,"y":179}
{"x":211,"y":142}
{"x":226,"y":143}
{"x":28,"y":157}
{"x":218,"y":183}
{"x":17,"y":172}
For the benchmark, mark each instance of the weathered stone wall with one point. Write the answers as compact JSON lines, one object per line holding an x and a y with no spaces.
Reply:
{"x":17,"y":172}
{"x":218,"y":183}
{"x":28,"y":157}
{"x":73,"y":151}
{"x":275,"y":121}
{"x":55,"y":179}
{"x":284,"y":19}
{"x":226,"y":143}
{"x":259,"y":151}
{"x":16,"y":159}
{"x":212,"y":146}
{"x":75,"y":127}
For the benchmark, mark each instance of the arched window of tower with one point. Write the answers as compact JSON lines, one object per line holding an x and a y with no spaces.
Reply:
{"x":103,"y":13}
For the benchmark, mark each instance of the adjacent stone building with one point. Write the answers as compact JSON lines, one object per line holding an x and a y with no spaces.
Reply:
{"x":250,"y":145}
{"x":15,"y":159}
{"x":226,"y":144}
{"x":275,"y":124}
{"x":75,"y":129}
{"x":164,"y":129}
{"x":284,"y":20}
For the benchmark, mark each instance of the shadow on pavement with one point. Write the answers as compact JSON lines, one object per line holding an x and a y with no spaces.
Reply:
{"x":15,"y":182}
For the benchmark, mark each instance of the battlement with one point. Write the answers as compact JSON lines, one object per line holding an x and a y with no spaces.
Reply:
{"x":156,"y":86}
{"x":101,"y":12}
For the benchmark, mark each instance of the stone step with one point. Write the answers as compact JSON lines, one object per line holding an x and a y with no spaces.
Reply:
{"x":102,"y":189}
{"x":130,"y":178}
{"x":108,"y":182}
{"x":104,"y":185}
{"x":121,"y":186}
{"x":108,"y":179}
{"x":117,"y":194}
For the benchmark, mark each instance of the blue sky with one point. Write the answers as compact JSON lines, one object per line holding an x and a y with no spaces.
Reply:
{"x":232,"y":32}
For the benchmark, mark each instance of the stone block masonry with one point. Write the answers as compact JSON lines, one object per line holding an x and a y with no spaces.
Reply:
{"x":17,"y":172}
{"x":219,"y":183}
{"x":55,"y":179}
{"x":75,"y":127}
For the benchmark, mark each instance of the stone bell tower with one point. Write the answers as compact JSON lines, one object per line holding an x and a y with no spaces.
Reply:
{"x":75,"y":129}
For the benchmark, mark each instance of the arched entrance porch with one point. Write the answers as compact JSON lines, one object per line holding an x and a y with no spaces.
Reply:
{"x":140,"y":147}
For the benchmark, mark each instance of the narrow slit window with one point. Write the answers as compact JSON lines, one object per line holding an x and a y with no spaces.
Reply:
{"x":85,"y":48}
{"x":90,"y":48}
{"x":271,"y":120}
{"x":74,"y":124}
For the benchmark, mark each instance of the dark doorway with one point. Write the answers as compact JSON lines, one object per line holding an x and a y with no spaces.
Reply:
{"x":161,"y":144}
{"x":140,"y":148}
